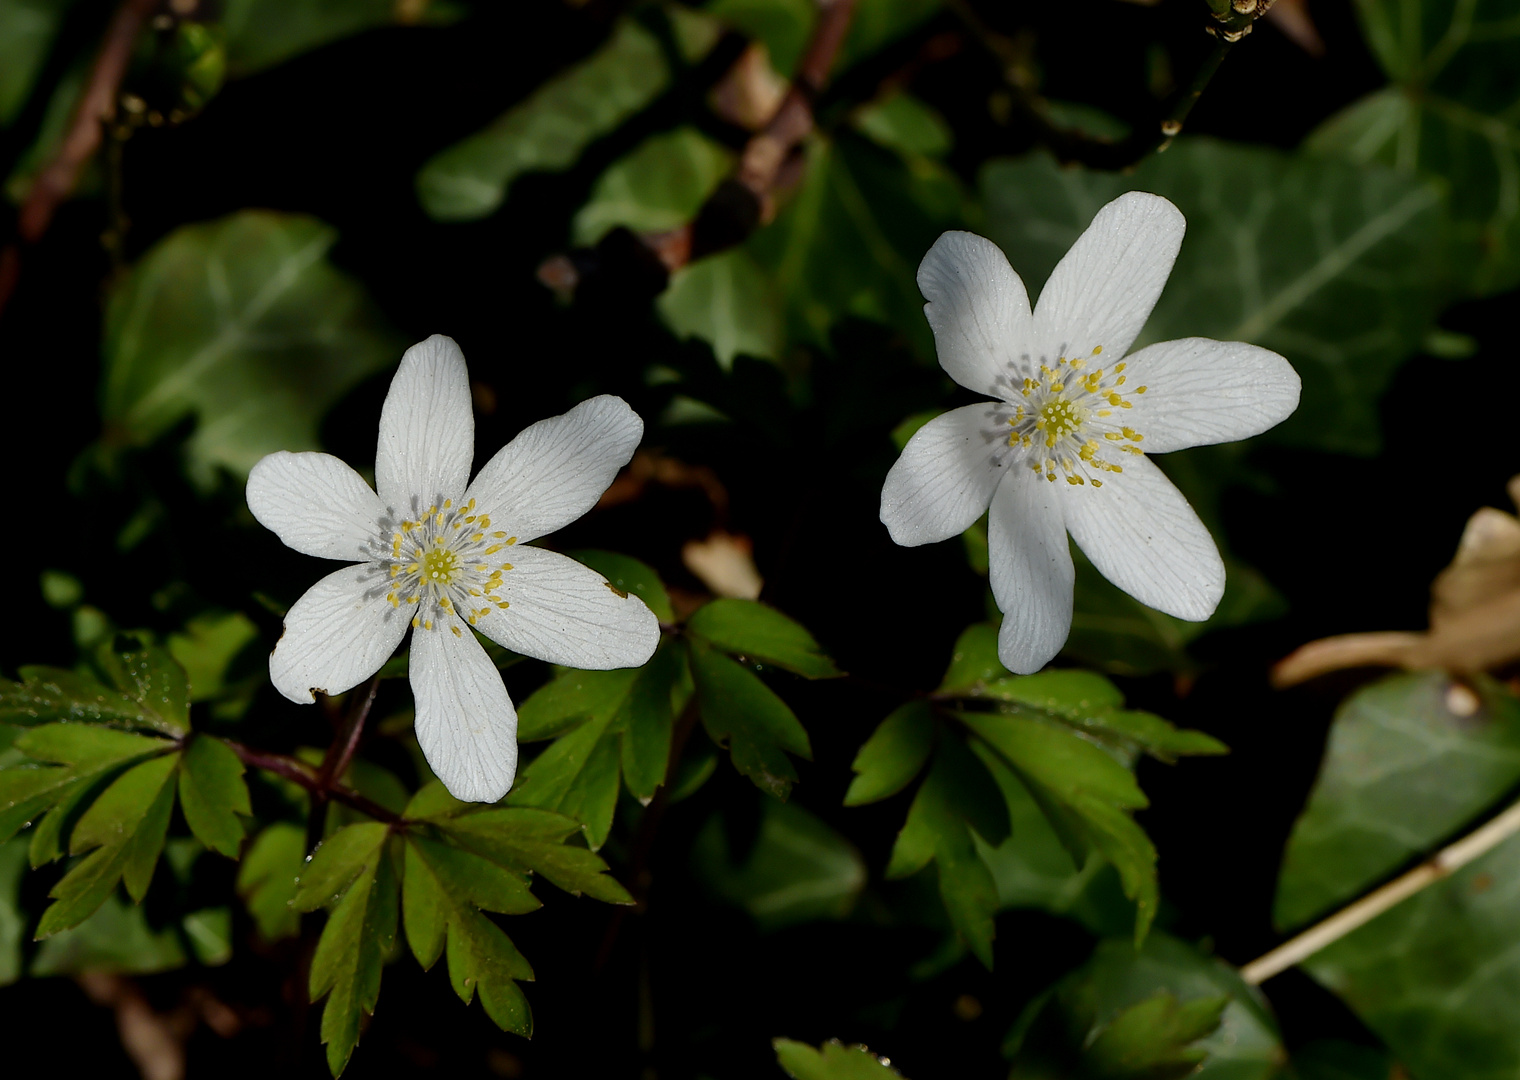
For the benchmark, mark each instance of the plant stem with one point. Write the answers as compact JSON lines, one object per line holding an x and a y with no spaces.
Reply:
{"x":1442,"y":865}
{"x":298,"y":772}
{"x":346,"y":741}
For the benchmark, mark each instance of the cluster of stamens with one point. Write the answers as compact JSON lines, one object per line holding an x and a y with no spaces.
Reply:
{"x":1063,"y":414}
{"x":442,"y":564}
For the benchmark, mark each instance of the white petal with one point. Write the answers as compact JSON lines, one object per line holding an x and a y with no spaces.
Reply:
{"x":1103,"y":289}
{"x":315,"y":503}
{"x":1145,"y":538}
{"x":1199,"y":391}
{"x":1032,"y":575}
{"x":945,"y":477}
{"x":465,"y":723}
{"x":978,"y":308}
{"x":337,"y":635}
{"x":427,"y":431}
{"x":566,"y":613}
{"x":555,"y":470}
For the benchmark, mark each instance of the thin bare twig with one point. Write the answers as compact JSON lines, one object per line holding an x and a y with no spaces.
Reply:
{"x":1442,"y":865}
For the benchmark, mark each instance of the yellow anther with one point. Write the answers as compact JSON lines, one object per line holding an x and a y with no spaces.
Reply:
{"x":411,"y":568}
{"x":1119,"y":367}
{"x":1132,"y":435}
{"x":1078,"y":365}
{"x":471,"y":519}
{"x":1097,"y":483}
{"x":477,"y":538}
{"x":456,"y":629}
{"x":1112,"y":436}
{"x":1051,"y":477}
{"x":1057,"y":387}
{"x":511,"y":539}
{"x":472,"y":623}
{"x":416,"y":622}
{"x":447,"y":503}
{"x":440,"y":517}
{"x":1105,"y":412}
{"x":506,"y":566}
{"x":503,"y":604}
{"x":499,"y":535}
{"x":1074,"y":480}
{"x":1140,"y":389}
{"x":1120,"y":380}
{"x":428,"y":624}
{"x":1097,"y":349}
{"x":1115,"y":399}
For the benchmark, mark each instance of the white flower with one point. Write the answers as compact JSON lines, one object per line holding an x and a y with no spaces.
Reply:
{"x":441,"y":557}
{"x":1064,"y":446}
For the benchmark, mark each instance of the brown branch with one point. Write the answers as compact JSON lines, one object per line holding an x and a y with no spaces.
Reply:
{"x":741,"y":203}
{"x":56,"y":181}
{"x":298,"y":772}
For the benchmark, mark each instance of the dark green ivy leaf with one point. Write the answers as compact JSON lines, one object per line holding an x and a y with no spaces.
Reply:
{"x":749,"y":629}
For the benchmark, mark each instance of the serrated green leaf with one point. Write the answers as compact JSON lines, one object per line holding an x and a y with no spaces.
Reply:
{"x":337,"y":862}
{"x":1401,"y":774}
{"x":469,"y":877}
{"x":575,"y":696}
{"x":831,"y":1061}
{"x":798,"y":870}
{"x":1057,"y":759}
{"x":893,"y":755}
{"x":268,"y":876}
{"x":52,"y":694}
{"x":86,"y":747}
{"x":243,"y":323}
{"x":531,"y":839}
{"x":213,"y":793}
{"x":974,"y":661}
{"x":740,"y":712}
{"x":750,"y":629}
{"x":548,"y":131}
{"x":577,"y":776}
{"x":113,"y":818}
{"x":424,"y":908}
{"x":1447,"y":116}
{"x":646,"y":719}
{"x":350,"y":954}
{"x":658,"y":185}
{"x":1151,"y":1039}
{"x":50,"y":837}
{"x":150,"y":676}
{"x":630,"y":575}
{"x":206,"y":648}
{"x":1336,"y":266}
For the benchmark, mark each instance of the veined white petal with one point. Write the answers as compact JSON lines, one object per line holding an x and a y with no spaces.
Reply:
{"x":555,"y":470}
{"x":568,"y":614}
{"x":978,"y":308}
{"x":427,"y":431}
{"x":1143,"y":536}
{"x":337,"y":635}
{"x":1031,"y":570}
{"x":315,"y":503}
{"x":1199,"y":391}
{"x":945,"y":477}
{"x":465,"y":723}
{"x":1103,"y":289}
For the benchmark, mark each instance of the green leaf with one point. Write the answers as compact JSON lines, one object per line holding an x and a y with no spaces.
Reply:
{"x":529,"y":839}
{"x":212,"y":793}
{"x":1331,"y":264}
{"x":27,"y":29}
{"x":116,"y":938}
{"x":261,"y":33}
{"x":762,"y":634}
{"x":577,"y":776}
{"x":87,"y":753}
{"x":243,"y":323}
{"x":469,"y":877}
{"x":878,"y":23}
{"x":740,"y":712}
{"x":207,"y":647}
{"x":1402,"y":773}
{"x":728,"y":301}
{"x":782,"y":26}
{"x":550,"y":130}
{"x":149,"y":691}
{"x":149,"y":675}
{"x":12,"y":918}
{"x":576,"y":696}
{"x":268,"y":876}
{"x":86,"y":747}
{"x":123,"y":831}
{"x":974,"y":661}
{"x":660,"y":184}
{"x":893,"y":755}
{"x":798,"y":870}
{"x":1448,"y":116}
{"x":350,"y":954}
{"x":902,"y":122}
{"x":955,"y":803}
{"x":629,"y":575}
{"x":337,"y":863}
{"x":831,"y":1061}
{"x":646,"y":720}
{"x":1158,"y":1013}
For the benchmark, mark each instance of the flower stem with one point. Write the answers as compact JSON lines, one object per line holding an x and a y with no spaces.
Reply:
{"x":298,"y":772}
{"x":1438,"y":867}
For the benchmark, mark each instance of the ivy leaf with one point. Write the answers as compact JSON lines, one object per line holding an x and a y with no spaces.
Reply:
{"x":831,"y":1061}
{"x":955,"y":803}
{"x":728,"y":301}
{"x":1446,"y":116}
{"x":798,"y":870}
{"x":740,"y":712}
{"x":346,"y":966}
{"x":660,"y":184}
{"x":1162,"y":1012}
{"x":268,"y":877}
{"x":212,"y":795}
{"x":750,"y":629}
{"x":1326,"y":262}
{"x":123,"y":831}
{"x":893,"y":755}
{"x":243,"y":323}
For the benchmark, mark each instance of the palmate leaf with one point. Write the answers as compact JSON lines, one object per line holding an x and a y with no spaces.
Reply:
{"x":213,"y":795}
{"x":742,"y":713}
{"x":893,"y":755}
{"x":831,"y":1061}
{"x":141,"y":687}
{"x":761,"y":634}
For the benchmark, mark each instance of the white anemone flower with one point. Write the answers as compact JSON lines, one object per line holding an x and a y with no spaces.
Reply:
{"x":442,"y":556}
{"x":1063,"y":448}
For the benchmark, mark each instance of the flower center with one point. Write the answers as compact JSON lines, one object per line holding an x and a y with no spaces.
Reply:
{"x":446,"y":563}
{"x":1069,"y":415}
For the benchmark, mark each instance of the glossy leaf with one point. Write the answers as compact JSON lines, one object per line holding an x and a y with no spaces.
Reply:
{"x":213,"y":793}
{"x":574,"y":697}
{"x":974,"y":662}
{"x":1447,"y":116}
{"x":893,"y":755}
{"x":52,"y":694}
{"x":759,"y":633}
{"x":831,"y":1061}
{"x":1326,"y":262}
{"x":149,"y":675}
{"x":85,"y":753}
{"x":346,"y":966}
{"x":743,"y":714}
{"x":268,"y":877}
{"x":243,"y":323}
{"x":798,"y":870}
